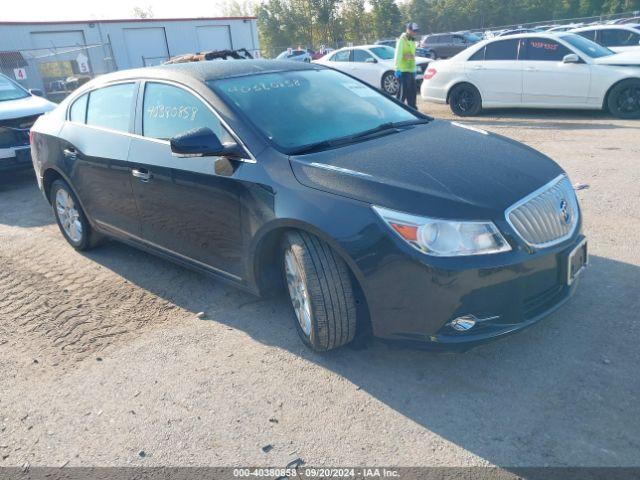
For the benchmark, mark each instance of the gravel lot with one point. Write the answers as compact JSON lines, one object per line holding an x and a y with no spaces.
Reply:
{"x":102,"y":354}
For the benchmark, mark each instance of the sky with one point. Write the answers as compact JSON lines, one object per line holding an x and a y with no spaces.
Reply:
{"x":105,"y":9}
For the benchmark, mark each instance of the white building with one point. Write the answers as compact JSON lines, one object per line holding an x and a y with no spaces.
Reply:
{"x":44,"y":55}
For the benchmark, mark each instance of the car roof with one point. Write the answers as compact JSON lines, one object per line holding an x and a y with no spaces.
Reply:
{"x":623,"y":26}
{"x":204,"y":71}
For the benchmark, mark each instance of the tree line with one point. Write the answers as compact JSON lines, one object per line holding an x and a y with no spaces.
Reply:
{"x":311,"y":23}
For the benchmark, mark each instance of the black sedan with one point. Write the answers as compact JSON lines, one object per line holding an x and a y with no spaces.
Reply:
{"x":272,"y":175}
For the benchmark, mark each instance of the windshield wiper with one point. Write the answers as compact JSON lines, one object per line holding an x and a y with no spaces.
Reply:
{"x":388,"y":127}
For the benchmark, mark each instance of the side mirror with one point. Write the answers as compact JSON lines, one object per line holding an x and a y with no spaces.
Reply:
{"x":37,"y":92}
{"x":202,"y":142}
{"x":370,"y":60}
{"x":571,"y":58}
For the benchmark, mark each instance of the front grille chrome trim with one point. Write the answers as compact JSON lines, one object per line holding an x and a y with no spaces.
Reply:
{"x":535,"y":220}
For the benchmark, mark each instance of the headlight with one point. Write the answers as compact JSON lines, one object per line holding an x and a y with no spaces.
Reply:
{"x":445,"y":238}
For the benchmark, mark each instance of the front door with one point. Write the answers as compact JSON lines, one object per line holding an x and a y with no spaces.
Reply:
{"x":188,"y":206}
{"x":365,"y":67}
{"x":549,"y":81}
{"x":95,"y":142}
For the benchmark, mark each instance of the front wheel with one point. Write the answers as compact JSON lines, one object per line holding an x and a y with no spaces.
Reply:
{"x":390,"y":83}
{"x":624,"y":100}
{"x":465,"y":100}
{"x":320,"y":290}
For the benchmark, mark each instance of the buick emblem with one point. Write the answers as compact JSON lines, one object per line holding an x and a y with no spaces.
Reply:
{"x":564,"y":211}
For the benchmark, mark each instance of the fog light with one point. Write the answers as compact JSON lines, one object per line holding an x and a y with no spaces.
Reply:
{"x":462,"y":324}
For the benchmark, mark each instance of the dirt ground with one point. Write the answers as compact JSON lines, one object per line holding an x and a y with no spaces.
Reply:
{"x":102,"y":355}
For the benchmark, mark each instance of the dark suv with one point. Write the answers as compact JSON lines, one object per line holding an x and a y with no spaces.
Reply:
{"x":445,"y":45}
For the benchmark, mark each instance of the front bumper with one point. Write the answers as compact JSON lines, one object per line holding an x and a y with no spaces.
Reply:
{"x":15,"y":158}
{"x":415,"y":301}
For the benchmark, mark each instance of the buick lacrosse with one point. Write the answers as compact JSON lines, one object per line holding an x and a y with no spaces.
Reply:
{"x":268,"y":174}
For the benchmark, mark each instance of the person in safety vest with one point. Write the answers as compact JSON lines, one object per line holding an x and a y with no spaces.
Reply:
{"x":405,"y":62}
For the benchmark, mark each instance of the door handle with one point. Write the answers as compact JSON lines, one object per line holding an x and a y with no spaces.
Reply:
{"x":531,"y":69}
{"x":479,"y":67}
{"x":70,"y":153}
{"x":142,"y":173}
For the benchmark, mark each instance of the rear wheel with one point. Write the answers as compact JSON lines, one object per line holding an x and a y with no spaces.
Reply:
{"x":390,"y":83}
{"x":320,"y":290}
{"x":465,"y":100}
{"x":70,"y":218}
{"x":624,"y":99}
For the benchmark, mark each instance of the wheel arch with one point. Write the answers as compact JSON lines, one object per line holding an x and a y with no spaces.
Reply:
{"x":457,"y":83}
{"x":605,"y":99}
{"x":265,"y":267}
{"x":52,"y":174}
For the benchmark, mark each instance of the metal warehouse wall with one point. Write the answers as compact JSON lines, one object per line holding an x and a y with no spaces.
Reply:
{"x":112,"y":45}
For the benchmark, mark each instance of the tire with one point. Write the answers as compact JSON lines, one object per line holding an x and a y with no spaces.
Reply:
{"x":390,"y":83}
{"x":433,"y":55}
{"x":321,"y":293}
{"x":465,"y":100}
{"x":623,"y":100}
{"x":70,"y":217}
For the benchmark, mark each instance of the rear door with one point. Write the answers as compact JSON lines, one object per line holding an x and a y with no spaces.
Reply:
{"x":496,"y":71}
{"x":95,"y":142}
{"x":188,"y":206}
{"x":341,"y":60}
{"x":549,"y":81}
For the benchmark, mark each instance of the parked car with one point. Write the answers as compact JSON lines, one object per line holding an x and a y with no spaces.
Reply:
{"x":420,"y":51}
{"x":373,"y":64}
{"x":189,"y":162}
{"x":564,"y":28}
{"x":632,"y":20}
{"x":619,"y":38}
{"x":445,"y":45}
{"x":19,"y":109}
{"x":516,"y":31}
{"x":295,"y":55}
{"x":537,"y":71}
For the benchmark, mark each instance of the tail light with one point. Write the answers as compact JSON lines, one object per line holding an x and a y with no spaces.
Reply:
{"x":430,"y":73}
{"x":30,"y":137}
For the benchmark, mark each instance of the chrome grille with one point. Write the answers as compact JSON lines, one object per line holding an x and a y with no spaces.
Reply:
{"x":547,"y":216}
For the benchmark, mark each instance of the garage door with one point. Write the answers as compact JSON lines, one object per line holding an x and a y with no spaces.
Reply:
{"x":146,"y":46}
{"x":214,"y":37}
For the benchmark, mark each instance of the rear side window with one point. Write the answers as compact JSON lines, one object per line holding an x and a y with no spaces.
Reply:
{"x":619,"y":38}
{"x":478,"y":56}
{"x":502,"y":50}
{"x":590,"y":34}
{"x":342,"y":56}
{"x":78,"y":111}
{"x":543,"y":49}
{"x":110,"y":107}
{"x":169,"y":111}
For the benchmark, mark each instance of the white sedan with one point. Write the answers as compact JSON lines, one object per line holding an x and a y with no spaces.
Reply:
{"x":619,"y":38}
{"x":537,"y":70}
{"x":373,"y":64}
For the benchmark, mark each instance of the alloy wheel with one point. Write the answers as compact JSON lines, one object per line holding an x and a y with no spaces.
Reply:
{"x":68,"y":215}
{"x":628,"y":100}
{"x":298,"y":292}
{"x":391,"y":84}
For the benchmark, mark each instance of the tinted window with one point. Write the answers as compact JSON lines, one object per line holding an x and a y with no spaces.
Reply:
{"x":478,"y":56}
{"x":342,"y":56}
{"x":305,"y":113}
{"x":110,"y":107}
{"x":619,"y":38}
{"x":78,"y":112}
{"x":170,"y":111}
{"x":361,"y":56}
{"x":590,"y":34}
{"x":458,"y":39}
{"x":502,"y":50}
{"x":445,"y":39}
{"x":543,"y":49}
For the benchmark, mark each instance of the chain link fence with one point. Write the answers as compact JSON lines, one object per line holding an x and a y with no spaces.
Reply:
{"x":57,"y":71}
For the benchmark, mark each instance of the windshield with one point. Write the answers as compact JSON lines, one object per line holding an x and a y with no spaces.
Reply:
{"x":384,"y":52}
{"x":586,"y":46}
{"x":10,"y":91}
{"x":298,"y":108}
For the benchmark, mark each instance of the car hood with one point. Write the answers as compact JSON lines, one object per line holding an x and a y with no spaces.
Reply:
{"x":630,"y":57}
{"x":441,"y":169}
{"x":24,"y":107}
